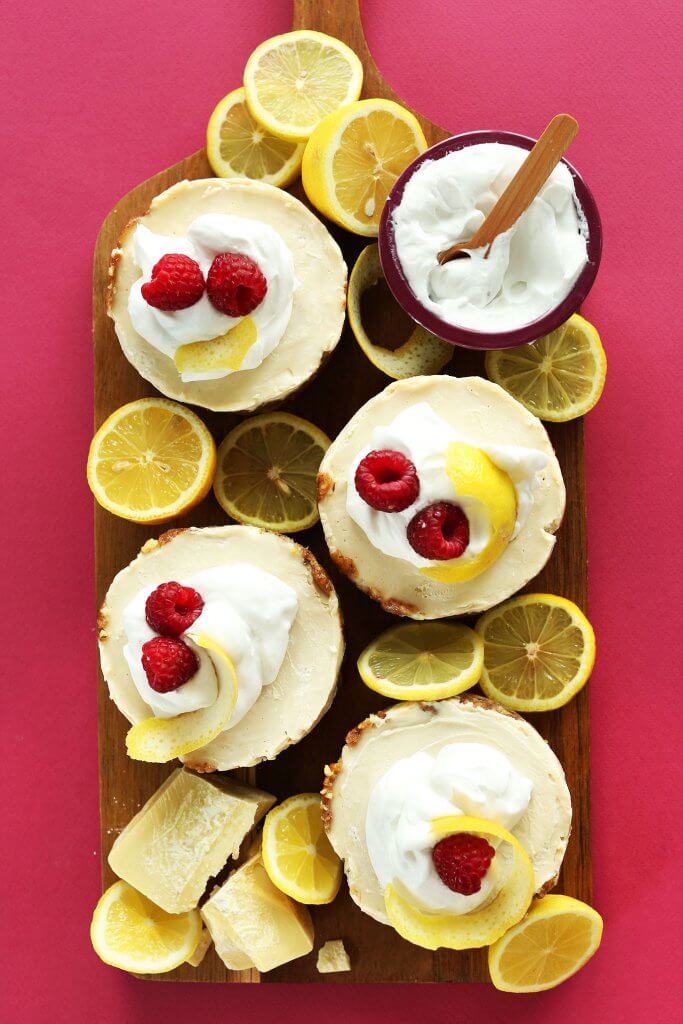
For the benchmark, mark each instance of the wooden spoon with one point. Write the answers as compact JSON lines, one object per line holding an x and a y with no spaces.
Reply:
{"x":524,"y":187}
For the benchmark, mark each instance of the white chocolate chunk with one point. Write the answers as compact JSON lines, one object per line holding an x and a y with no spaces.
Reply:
{"x":332,"y":957}
{"x":184,"y":835}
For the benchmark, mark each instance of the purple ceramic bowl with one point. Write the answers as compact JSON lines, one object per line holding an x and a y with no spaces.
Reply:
{"x":404,"y":295}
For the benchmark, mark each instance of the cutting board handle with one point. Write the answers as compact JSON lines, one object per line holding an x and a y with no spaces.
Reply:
{"x":342,"y":19}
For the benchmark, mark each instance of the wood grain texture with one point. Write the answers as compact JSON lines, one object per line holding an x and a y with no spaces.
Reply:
{"x":345,"y":383}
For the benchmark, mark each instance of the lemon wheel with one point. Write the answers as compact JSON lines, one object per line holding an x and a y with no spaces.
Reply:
{"x":293,"y":80}
{"x":422,"y":353}
{"x":556,"y":939}
{"x":238,"y":147}
{"x":539,"y":651}
{"x":296,"y":852}
{"x":423,"y":661}
{"x":353,"y":158}
{"x":558,"y":377}
{"x":130,"y":932}
{"x":484,"y":925}
{"x":150,"y":461}
{"x":267,"y":469}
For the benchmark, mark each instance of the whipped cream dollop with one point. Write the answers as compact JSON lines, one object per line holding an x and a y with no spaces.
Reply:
{"x":462,"y":778}
{"x":206,"y":237}
{"x":247,"y":612}
{"x":529,"y":269}
{"x":423,"y":437}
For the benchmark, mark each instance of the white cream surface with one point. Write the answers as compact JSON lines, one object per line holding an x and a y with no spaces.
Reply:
{"x":529,"y":269}
{"x":423,"y":437}
{"x":247,"y":612}
{"x":463,"y":778}
{"x":206,"y":237}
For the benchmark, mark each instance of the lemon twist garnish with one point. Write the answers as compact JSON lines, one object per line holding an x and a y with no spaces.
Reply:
{"x":163,"y":739}
{"x":476,"y":478}
{"x":482,"y":926}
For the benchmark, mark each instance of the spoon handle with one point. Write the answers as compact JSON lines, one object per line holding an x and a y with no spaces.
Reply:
{"x":525,"y":186}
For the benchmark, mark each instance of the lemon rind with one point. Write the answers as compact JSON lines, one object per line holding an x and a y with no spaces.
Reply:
{"x":366,"y":273}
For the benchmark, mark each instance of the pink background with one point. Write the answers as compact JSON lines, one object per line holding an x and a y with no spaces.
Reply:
{"x":99,"y":97}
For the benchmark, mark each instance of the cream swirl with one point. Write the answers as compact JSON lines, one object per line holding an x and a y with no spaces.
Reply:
{"x":462,"y":778}
{"x":528,"y":271}
{"x":247,"y":612}
{"x":206,"y":237}
{"x":423,"y":436}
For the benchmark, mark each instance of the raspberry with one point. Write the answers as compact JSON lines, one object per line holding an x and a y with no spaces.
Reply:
{"x":235,"y":284}
{"x":177,"y":282}
{"x":168,"y":663}
{"x":171,"y":609}
{"x":439,"y":531}
{"x":461,"y":861}
{"x":387,"y":480}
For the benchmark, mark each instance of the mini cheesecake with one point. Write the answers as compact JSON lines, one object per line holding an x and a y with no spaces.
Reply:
{"x":406,"y":729}
{"x":287,"y":707}
{"x":318,"y":304}
{"x":482,"y":414}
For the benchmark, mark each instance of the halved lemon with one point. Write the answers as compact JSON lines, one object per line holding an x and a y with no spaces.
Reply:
{"x":297,"y":853}
{"x":421,"y":353}
{"x":484,"y":925}
{"x":423,"y":660}
{"x":554,"y":941}
{"x":163,"y":739}
{"x":267,"y":469}
{"x":539,"y":650}
{"x":293,"y":80}
{"x":151,"y":460}
{"x":557,"y":377}
{"x":130,"y":932}
{"x":238,"y":147}
{"x":353,"y":158}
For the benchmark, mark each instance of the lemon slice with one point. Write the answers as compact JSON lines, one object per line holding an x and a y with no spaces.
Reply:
{"x":557,"y":377}
{"x":353,"y":158}
{"x":238,"y":147}
{"x":296,"y":852}
{"x":423,"y":660}
{"x":267,"y":469}
{"x":163,"y":739}
{"x":130,"y":932}
{"x":539,"y":650}
{"x":554,"y":941}
{"x":483,"y":925}
{"x":150,"y":461}
{"x":421,"y":354}
{"x":293,"y":80}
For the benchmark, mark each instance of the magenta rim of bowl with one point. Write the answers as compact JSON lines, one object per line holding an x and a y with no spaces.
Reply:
{"x":463,"y":336}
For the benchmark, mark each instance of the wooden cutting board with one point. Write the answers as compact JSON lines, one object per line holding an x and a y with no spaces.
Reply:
{"x":347,"y":381}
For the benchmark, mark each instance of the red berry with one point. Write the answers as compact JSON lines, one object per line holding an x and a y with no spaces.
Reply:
{"x":171,"y":608}
{"x":387,"y":480}
{"x":177,"y":282}
{"x":168,"y":663}
{"x":235,"y":284}
{"x":439,"y":531}
{"x":462,"y":860}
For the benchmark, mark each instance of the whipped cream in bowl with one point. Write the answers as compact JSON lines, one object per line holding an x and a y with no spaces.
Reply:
{"x":533,"y":277}
{"x":247,"y":612}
